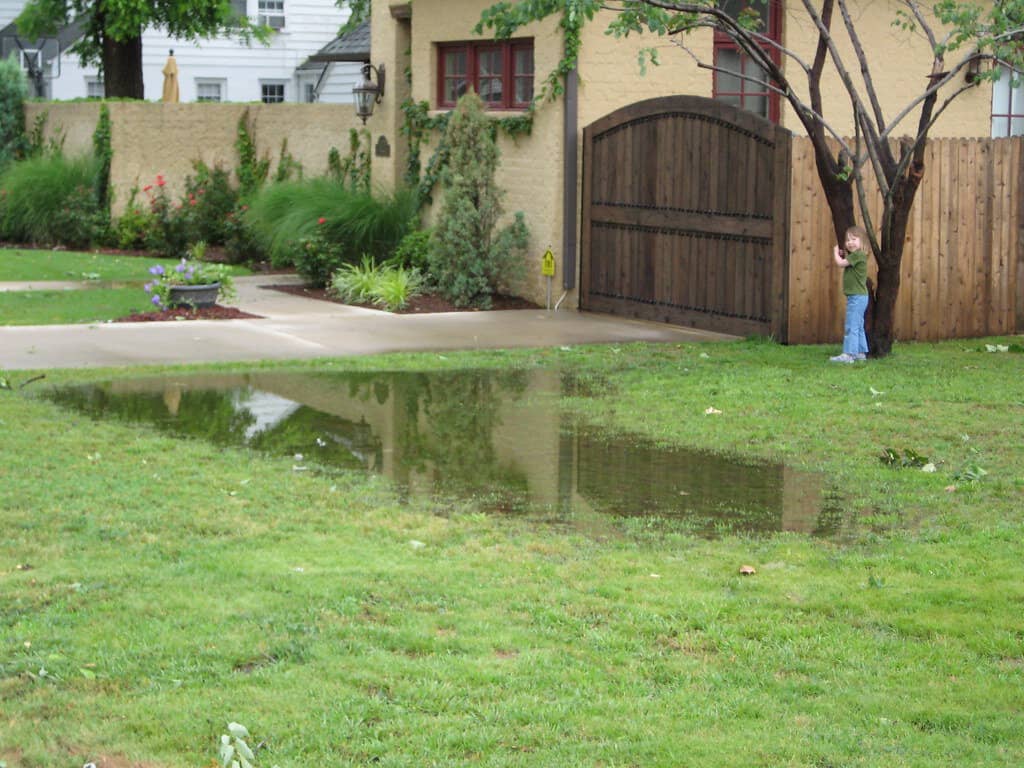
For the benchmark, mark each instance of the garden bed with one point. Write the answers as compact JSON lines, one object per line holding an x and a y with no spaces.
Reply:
{"x":216,"y":312}
{"x":423,"y":304}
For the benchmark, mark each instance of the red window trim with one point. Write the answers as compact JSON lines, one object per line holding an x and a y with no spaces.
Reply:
{"x":472,"y":50}
{"x":774,"y":31}
{"x":1013,"y":105}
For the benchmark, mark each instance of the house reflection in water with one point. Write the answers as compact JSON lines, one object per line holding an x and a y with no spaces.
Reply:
{"x":497,"y":437}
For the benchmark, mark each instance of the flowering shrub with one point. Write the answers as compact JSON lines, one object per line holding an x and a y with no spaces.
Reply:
{"x":209,"y":203}
{"x":167,"y":234}
{"x":187,"y":272}
{"x":317,"y":257}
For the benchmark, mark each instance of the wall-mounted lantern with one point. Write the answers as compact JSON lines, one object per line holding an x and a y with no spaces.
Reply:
{"x":973,"y":70}
{"x":369,"y":93}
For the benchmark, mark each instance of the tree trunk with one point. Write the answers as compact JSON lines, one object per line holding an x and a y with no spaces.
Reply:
{"x":883,"y":319}
{"x":122,"y":68}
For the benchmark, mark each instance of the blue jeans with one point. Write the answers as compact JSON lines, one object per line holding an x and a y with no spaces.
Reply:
{"x":854,"y":340}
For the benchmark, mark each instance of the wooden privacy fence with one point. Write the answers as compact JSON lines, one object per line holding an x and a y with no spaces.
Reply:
{"x":964,"y":255}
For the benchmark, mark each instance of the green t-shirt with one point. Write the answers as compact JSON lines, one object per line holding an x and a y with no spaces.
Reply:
{"x":855,"y":276}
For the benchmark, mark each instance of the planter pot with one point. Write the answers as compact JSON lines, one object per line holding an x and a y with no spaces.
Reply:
{"x":193,"y":295}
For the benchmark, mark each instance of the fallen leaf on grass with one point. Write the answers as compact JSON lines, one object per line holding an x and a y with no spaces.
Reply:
{"x":929,"y":467}
{"x":712,"y":411}
{"x":747,"y":570}
{"x":950,"y":488}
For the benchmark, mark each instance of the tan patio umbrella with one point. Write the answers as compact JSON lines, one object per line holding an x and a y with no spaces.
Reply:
{"x":171,"y":80}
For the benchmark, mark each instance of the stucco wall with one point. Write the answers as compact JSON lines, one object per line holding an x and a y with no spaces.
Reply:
{"x":151,"y":138}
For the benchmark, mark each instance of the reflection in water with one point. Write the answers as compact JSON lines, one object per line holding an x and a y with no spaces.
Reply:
{"x":496,"y":437}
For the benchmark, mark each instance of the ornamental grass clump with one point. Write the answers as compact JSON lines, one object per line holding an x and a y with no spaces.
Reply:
{"x":386,"y":286}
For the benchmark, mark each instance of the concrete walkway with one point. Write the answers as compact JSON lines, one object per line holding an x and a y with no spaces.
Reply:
{"x":293,"y":327}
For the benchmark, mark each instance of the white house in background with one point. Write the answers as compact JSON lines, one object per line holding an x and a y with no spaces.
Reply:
{"x":224,"y":68}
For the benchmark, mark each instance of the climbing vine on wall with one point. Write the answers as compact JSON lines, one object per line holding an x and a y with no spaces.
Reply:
{"x":354,"y":169}
{"x":103,"y":149}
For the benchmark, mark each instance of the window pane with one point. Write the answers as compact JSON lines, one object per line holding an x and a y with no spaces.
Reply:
{"x":524,"y":90}
{"x":1017,"y":126}
{"x":453,"y":89}
{"x":725,"y":82}
{"x":490,"y":90}
{"x":760,"y":7}
{"x":454,"y":63}
{"x":1001,"y":93}
{"x":272,"y":93}
{"x":522,"y":61}
{"x":756,"y":103}
{"x":490,"y":62}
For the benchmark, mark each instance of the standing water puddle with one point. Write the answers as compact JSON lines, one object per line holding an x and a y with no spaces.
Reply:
{"x":497,"y":437}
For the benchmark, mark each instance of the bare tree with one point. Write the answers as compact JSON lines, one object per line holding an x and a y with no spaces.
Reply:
{"x":960,"y":35}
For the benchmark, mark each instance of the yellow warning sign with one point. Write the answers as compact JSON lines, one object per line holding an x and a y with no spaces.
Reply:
{"x":547,"y":264}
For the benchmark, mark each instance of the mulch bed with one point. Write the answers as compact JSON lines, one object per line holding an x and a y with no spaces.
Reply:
{"x":423,"y":304}
{"x":216,"y":312}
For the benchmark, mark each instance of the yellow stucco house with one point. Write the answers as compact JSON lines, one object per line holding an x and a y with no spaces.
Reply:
{"x":751,"y":246}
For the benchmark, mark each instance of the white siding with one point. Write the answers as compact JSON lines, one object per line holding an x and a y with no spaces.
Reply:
{"x":9,"y":10}
{"x":309,"y":26}
{"x":336,"y":86}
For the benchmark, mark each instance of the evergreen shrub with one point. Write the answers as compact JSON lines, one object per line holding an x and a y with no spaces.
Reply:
{"x":468,"y":261}
{"x":13,"y":91}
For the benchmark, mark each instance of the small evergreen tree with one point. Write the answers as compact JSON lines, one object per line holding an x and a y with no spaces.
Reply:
{"x":13,"y":90}
{"x":467,"y":260}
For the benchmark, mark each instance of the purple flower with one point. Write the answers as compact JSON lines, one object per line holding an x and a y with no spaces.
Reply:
{"x":156,"y":270}
{"x":156,"y":301}
{"x":148,"y":287}
{"x":180,"y":267}
{"x":190,"y":274}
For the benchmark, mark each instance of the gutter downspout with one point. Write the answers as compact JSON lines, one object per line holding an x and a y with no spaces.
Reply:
{"x":570,"y":144}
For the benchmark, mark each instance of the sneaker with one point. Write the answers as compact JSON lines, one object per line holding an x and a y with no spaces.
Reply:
{"x":860,"y":357}
{"x":843,"y":358}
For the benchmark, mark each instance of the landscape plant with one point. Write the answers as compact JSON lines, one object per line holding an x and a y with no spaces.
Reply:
{"x":342,"y":224}
{"x":387,"y":286}
{"x":469,"y":260}
{"x":13,"y":91}
{"x":188,"y":271}
{"x":50,"y":200}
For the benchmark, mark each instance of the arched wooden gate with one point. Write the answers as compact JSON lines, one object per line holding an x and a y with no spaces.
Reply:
{"x":685,"y":212}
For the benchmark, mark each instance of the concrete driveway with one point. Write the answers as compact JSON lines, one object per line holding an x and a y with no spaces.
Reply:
{"x":293,"y":327}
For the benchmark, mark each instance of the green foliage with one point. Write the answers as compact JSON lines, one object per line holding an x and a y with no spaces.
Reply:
{"x":209,"y":201}
{"x":104,"y":152}
{"x":387,"y":286}
{"x":188,"y":271}
{"x":13,"y":91}
{"x":359,"y":11}
{"x":287,"y":166}
{"x":353,"y":224}
{"x":167,"y":233}
{"x":38,"y":143}
{"x":909,"y":458}
{"x":252,"y":170}
{"x":468,"y":261}
{"x":354,"y":170}
{"x":50,"y":200}
{"x":413,"y":251}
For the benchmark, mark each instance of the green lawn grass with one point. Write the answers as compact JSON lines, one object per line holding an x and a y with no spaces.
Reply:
{"x":27,"y":264}
{"x":71,"y":306}
{"x":153,"y":590}
{"x":75,"y":306}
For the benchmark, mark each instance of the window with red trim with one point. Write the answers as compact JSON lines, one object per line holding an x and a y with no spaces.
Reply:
{"x":1008,"y":104}
{"x":500,"y":72}
{"x":738,"y":79}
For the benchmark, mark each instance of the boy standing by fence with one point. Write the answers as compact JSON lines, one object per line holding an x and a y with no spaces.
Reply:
{"x":854,"y":261}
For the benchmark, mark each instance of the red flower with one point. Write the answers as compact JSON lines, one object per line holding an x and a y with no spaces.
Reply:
{"x":160,"y":180}
{"x":191,"y":201}
{"x":321,"y":220}
{"x":147,"y":188}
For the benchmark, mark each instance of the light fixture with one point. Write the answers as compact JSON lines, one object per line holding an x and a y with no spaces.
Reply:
{"x":973,"y":70}
{"x":369,"y":93}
